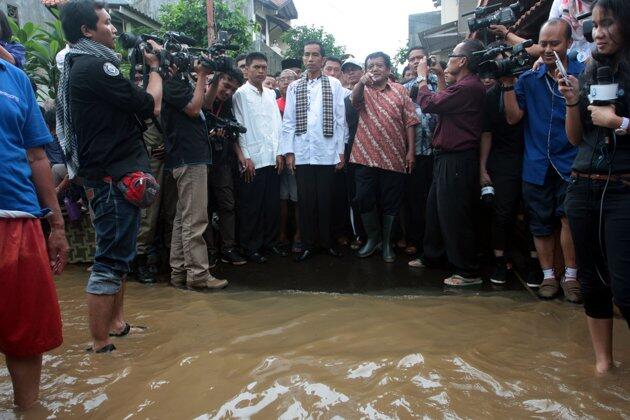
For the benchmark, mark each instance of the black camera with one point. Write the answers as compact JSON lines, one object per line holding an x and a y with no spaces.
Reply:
{"x":516,"y":64}
{"x":231,"y":128}
{"x":487,"y":195}
{"x":493,"y":15}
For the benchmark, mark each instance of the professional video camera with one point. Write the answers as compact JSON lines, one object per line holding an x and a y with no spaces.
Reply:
{"x":231,"y":128}
{"x":514,"y":65}
{"x":493,"y":15}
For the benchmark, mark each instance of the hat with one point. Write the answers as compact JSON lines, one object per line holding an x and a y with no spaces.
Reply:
{"x":290,"y":63}
{"x":352,"y":61}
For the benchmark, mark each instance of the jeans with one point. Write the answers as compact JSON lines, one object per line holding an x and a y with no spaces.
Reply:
{"x":116,"y":223}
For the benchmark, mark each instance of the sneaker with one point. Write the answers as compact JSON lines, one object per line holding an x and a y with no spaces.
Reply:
{"x":145,"y":274}
{"x":230,"y":256}
{"x":499,"y":276}
{"x":572,"y":290}
{"x":549,"y":288}
{"x":535,"y":275}
{"x":210,"y":283}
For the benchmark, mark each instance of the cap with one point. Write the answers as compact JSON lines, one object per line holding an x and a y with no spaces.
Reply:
{"x":290,"y":63}
{"x":352,"y":61}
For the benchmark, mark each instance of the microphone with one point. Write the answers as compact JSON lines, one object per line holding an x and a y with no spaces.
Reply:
{"x":605,"y":91}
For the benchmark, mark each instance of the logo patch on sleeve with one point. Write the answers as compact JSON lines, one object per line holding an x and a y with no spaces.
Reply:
{"x":110,"y":69}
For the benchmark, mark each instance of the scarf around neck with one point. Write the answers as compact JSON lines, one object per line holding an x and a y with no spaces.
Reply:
{"x":301,"y":106}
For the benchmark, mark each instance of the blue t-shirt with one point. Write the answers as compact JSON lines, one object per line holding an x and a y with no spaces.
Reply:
{"x":22,"y":127}
{"x":546,"y":140}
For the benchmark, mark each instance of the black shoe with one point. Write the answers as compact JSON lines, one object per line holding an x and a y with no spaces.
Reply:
{"x":257,"y":257}
{"x":213,"y":259}
{"x":335,"y":252}
{"x":535,"y":274}
{"x":277,"y":251}
{"x":499,"y":276}
{"x":145,"y":274}
{"x":303,"y":256}
{"x":230,"y":256}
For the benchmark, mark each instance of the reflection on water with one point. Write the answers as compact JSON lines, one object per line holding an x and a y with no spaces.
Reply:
{"x":305,"y":355}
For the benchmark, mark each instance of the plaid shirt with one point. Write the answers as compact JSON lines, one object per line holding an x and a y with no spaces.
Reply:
{"x":428,"y":122}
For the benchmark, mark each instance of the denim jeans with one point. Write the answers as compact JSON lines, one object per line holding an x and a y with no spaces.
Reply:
{"x":116,"y":222}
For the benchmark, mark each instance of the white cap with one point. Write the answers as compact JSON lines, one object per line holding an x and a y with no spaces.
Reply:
{"x":352,"y":61}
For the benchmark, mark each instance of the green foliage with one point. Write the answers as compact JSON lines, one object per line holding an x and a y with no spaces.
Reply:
{"x":295,"y":38}
{"x":42,"y":45}
{"x":190,"y":17}
{"x":401,"y":55}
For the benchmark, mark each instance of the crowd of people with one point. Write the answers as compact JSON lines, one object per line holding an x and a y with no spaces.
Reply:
{"x":237,"y":167}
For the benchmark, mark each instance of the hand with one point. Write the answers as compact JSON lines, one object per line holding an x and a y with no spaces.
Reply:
{"x":484,"y":178}
{"x":250,"y":170}
{"x":410,"y":161}
{"x":57,"y":250}
{"x":537,"y":64}
{"x":367,"y":79}
{"x":202,"y":71}
{"x":290,"y":162}
{"x":423,"y":67}
{"x":280,"y":163}
{"x":159,"y":152}
{"x":570,"y":90}
{"x":152,"y":57}
{"x":499,"y":30}
{"x":508,"y":81}
{"x":341,"y":164}
{"x":605,"y":116}
{"x":218,"y":132}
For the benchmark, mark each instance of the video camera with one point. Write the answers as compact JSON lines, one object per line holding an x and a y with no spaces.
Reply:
{"x":517,"y":63}
{"x":230,"y":126}
{"x":493,"y":15}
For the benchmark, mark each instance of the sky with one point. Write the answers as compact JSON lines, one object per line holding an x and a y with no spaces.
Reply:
{"x":363,"y":26}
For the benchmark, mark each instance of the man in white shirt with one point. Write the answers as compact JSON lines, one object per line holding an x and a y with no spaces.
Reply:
{"x":313,"y":143}
{"x":255,"y":108}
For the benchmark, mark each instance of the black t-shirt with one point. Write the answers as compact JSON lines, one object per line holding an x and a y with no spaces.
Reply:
{"x":594,"y":155}
{"x":222,"y":148}
{"x":506,"y":153}
{"x":107,"y":111}
{"x":186,"y":140}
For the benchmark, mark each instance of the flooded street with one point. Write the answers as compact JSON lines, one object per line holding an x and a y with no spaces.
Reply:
{"x":280,"y":354}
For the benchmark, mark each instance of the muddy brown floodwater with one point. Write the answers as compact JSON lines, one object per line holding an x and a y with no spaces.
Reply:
{"x":262,"y":354}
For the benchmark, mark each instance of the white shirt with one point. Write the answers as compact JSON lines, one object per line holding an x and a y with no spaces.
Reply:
{"x":580,"y":46}
{"x":259,"y":113}
{"x":312,"y":148}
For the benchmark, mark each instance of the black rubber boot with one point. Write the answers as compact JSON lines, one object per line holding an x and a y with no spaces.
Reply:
{"x":388,"y":250}
{"x":373,"y":230}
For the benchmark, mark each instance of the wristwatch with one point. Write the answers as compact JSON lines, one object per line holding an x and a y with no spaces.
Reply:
{"x":623,"y":128}
{"x":420,"y":78}
{"x":155,"y":70}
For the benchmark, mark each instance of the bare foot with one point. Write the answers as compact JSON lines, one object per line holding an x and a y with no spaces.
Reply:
{"x":604,"y":367}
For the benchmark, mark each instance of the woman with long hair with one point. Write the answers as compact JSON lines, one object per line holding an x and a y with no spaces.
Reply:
{"x":598,"y":200}
{"x":10,"y":51}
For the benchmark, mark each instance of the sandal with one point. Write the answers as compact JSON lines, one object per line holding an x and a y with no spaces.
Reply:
{"x":458,"y":281}
{"x":417,"y":263}
{"x":105,"y":349}
{"x":127,"y":330}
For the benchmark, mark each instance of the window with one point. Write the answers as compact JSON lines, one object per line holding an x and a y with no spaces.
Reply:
{"x":12,"y":12}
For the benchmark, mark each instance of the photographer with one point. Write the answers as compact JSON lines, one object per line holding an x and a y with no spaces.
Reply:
{"x":187,"y":157}
{"x":454,"y":191}
{"x":598,"y":202}
{"x":99,"y":110}
{"x":535,"y":99}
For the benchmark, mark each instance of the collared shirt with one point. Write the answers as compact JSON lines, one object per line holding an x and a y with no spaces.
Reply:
{"x":428,"y":122}
{"x":546,"y":141}
{"x":22,"y":127}
{"x":460,"y":107}
{"x":17,"y":50}
{"x":259,"y":113}
{"x":384,"y":116}
{"x":312,"y":148}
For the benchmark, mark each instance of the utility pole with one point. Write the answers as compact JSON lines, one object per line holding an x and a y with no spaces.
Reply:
{"x":211,"y":34}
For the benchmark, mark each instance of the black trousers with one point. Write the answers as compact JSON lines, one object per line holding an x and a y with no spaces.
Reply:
{"x":351,"y":186}
{"x":507,"y":196}
{"x":259,"y":210}
{"x":417,"y":185}
{"x":603,"y":276}
{"x":341,"y":209}
{"x":451,"y":206}
{"x":378,"y":186}
{"x":315,"y":189}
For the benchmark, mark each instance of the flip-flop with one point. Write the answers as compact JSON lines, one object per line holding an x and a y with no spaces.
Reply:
{"x":105,"y":349}
{"x":126,"y":330}
{"x":458,"y":281}
{"x":417,"y":263}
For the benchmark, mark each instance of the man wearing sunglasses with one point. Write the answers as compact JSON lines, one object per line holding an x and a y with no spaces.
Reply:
{"x":452,"y":198}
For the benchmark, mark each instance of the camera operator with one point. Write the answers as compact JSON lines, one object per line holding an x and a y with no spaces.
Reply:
{"x":99,"y":112}
{"x":598,"y":202}
{"x":500,"y":167}
{"x":548,"y":157}
{"x":454,"y":191}
{"x":225,"y":163}
{"x":188,"y":157}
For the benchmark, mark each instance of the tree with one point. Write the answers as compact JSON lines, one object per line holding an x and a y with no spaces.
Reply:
{"x":295,"y":38}
{"x":190,"y":17}
{"x":42,"y":45}
{"x":401,"y":55}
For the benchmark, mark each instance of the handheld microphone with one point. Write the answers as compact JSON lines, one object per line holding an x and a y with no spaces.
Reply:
{"x":605,"y":92}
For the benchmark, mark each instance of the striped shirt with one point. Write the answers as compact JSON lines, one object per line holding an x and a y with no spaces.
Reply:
{"x":381,"y":139}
